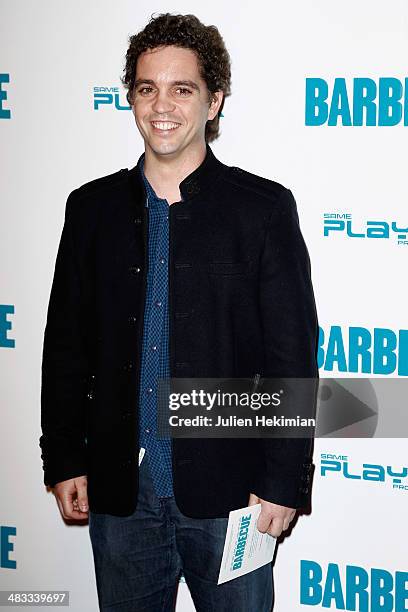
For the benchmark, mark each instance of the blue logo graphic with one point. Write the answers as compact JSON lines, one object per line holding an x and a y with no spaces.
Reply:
{"x":381,"y":351}
{"x":363,"y":102}
{"x":6,"y":547}
{"x":332,"y":465}
{"x":5,"y":113}
{"x":5,"y":326}
{"x":342,"y":224}
{"x":108,"y":96}
{"x":372,"y":590}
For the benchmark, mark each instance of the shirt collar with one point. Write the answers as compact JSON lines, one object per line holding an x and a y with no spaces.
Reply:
{"x":152,"y":197}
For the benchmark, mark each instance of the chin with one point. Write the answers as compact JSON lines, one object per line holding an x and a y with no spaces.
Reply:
{"x":164,"y":148}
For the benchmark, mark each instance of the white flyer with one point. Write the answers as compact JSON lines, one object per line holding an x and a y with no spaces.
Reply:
{"x":245,"y":549}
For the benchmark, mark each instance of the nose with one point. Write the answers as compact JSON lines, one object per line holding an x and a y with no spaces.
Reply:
{"x":162,"y":102}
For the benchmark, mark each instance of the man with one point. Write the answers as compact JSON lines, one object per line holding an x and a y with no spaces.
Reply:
{"x":182,"y":267}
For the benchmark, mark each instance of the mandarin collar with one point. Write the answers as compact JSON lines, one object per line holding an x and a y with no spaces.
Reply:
{"x":197,"y":181}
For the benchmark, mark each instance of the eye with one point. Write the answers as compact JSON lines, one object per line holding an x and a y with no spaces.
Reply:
{"x":183,"y":91}
{"x":143,"y":90}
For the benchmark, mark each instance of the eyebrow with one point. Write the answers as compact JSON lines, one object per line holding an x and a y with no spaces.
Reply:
{"x":189,"y":83}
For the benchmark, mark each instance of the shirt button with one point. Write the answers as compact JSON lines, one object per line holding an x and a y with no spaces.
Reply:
{"x":154,"y":347}
{"x":162,"y":260}
{"x":149,"y":390}
{"x":147,"y":430}
{"x":167,"y":216}
{"x":158,"y":303}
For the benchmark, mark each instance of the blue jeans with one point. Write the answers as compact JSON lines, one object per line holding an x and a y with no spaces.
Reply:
{"x":139,"y":558}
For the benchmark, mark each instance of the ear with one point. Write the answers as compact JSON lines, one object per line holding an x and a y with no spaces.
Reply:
{"x":216,"y":101}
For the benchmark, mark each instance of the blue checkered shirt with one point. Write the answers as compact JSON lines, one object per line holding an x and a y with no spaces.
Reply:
{"x":155,"y":353}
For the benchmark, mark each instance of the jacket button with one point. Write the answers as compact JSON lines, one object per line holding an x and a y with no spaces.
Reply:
{"x":134,"y":269}
{"x":192,"y":187}
{"x":137,"y":220}
{"x":126,"y":463}
{"x":126,"y":415}
{"x":128,"y":367}
{"x":132,"y":319}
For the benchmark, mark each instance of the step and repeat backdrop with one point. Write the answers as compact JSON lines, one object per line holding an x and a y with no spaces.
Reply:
{"x":319,"y":103}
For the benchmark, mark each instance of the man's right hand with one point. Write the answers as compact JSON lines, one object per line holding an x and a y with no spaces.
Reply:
{"x":72,"y":497}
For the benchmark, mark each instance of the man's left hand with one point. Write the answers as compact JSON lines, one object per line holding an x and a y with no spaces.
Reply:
{"x":273,"y":518}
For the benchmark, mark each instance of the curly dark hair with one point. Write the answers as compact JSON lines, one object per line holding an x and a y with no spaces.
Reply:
{"x":189,"y":32}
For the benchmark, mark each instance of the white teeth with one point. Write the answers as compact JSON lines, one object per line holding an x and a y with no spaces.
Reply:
{"x":165,"y":125}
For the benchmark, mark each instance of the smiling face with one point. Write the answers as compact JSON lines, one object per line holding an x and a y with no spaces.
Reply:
{"x":171,"y":101}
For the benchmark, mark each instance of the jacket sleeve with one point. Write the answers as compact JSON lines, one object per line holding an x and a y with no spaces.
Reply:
{"x":64,"y":367}
{"x":290,"y":332}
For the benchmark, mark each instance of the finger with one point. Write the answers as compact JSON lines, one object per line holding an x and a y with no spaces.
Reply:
{"x":263,"y":522}
{"x":288,"y":519}
{"x":253,"y":499}
{"x":276,"y":527}
{"x":78,"y":515}
{"x":74,"y":514}
{"x":82,"y":495}
{"x":61,"y":509}
{"x":69,"y":512}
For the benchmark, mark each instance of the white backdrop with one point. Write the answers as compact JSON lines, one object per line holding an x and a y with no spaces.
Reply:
{"x":52,"y":56}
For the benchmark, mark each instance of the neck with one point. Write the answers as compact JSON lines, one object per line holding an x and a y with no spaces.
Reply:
{"x":165,"y":172}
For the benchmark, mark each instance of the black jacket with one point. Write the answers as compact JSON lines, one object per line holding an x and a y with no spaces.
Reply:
{"x":241,"y":302}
